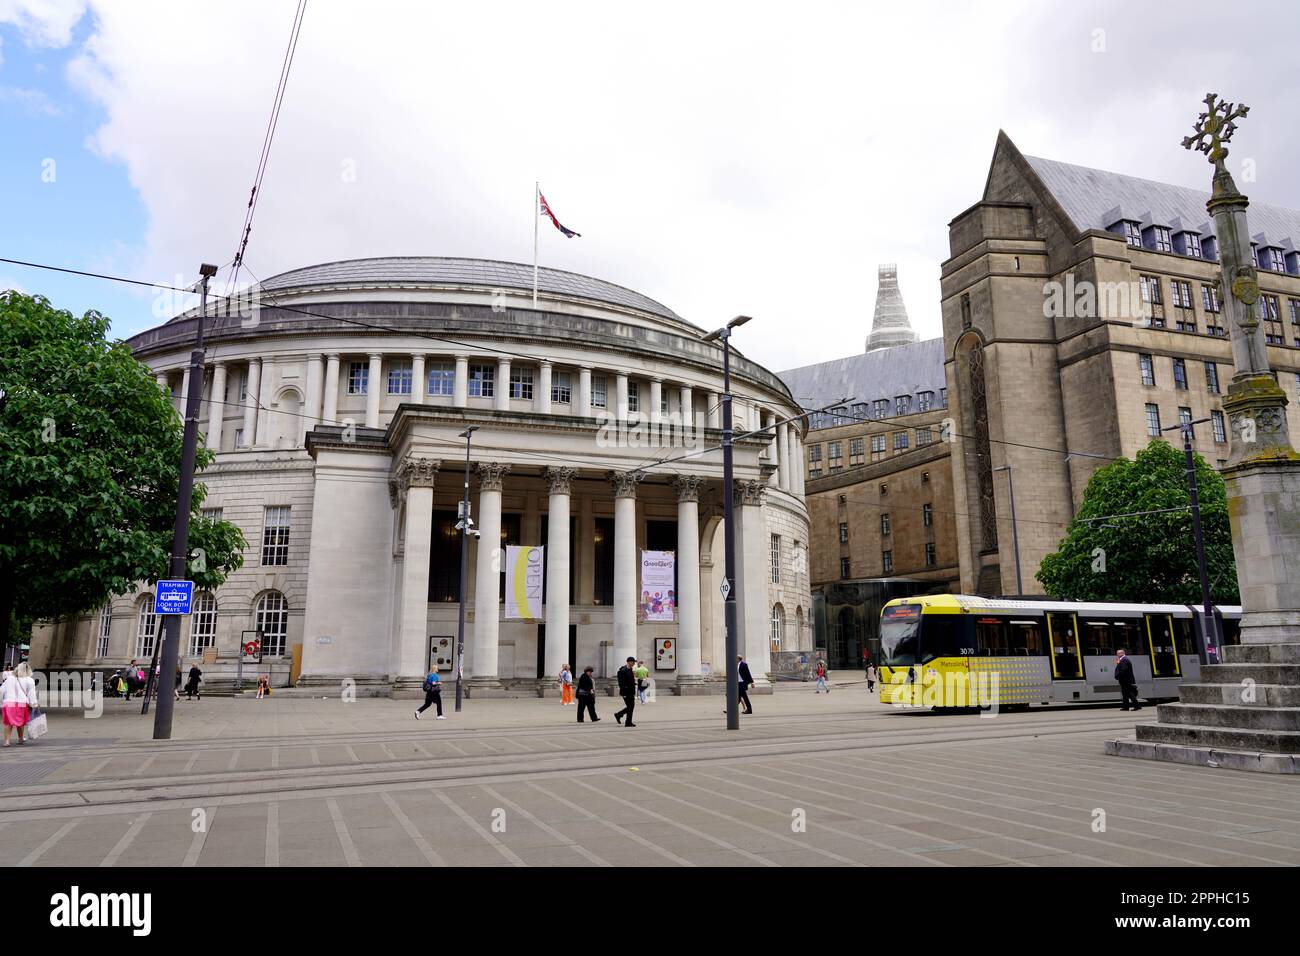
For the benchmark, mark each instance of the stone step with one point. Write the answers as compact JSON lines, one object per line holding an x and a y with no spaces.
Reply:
{"x":1230,"y":716}
{"x":1286,"y":674}
{"x":1195,"y":735}
{"x":1261,"y":654}
{"x":1265,"y":695}
{"x":1205,"y":756}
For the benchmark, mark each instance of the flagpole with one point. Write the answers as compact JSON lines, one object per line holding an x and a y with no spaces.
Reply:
{"x":537,"y":193}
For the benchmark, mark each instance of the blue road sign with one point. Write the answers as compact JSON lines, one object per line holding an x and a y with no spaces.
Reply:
{"x":173,"y":597}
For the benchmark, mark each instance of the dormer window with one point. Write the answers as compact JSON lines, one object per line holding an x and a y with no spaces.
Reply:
{"x":926,"y":399}
{"x":1157,"y":238}
{"x":1130,"y":229}
{"x":880,"y":408}
{"x":1293,"y":263}
{"x":902,"y":404}
{"x":1271,"y":258}
{"x":838,"y":413}
{"x":1210,"y":248}
{"x":1188,"y":244}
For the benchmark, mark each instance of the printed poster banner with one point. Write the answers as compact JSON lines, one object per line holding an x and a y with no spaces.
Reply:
{"x":525,"y":569}
{"x":658,"y":600}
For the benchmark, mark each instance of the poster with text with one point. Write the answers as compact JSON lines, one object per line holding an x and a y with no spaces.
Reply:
{"x":525,"y":570}
{"x":658,"y":600}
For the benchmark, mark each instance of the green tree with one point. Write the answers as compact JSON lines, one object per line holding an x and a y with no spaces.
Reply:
{"x":1151,"y":557}
{"x":90,"y":452}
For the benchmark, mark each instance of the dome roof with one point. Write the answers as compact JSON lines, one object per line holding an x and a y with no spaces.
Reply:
{"x":486,"y":273}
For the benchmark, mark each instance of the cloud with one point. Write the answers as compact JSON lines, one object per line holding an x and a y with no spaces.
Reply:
{"x":46,"y":23}
{"x":11,"y":285}
{"x":34,"y":101}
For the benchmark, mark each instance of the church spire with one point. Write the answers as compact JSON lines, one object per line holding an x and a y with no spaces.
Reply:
{"x":890,"y":326}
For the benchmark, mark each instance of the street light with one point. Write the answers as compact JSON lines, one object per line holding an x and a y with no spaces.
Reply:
{"x":1209,"y":629}
{"x":466,"y":527}
{"x":1015,"y":535}
{"x":723,"y":335}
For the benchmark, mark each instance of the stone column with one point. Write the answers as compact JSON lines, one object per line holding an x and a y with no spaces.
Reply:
{"x":161,"y":379}
{"x":773,"y":448}
{"x":264,"y":404}
{"x":753,"y":560}
{"x":715,"y":410}
{"x":503,"y":385}
{"x":330,"y":409}
{"x":374,"y":389}
{"x":620,"y":396}
{"x":557,"y":569}
{"x":460,"y":386}
{"x":415,"y":479}
{"x":418,"y":384}
{"x":783,"y":455}
{"x":250,"y":402}
{"x":689,"y":606}
{"x":584,"y":392}
{"x":686,"y":401}
{"x":185,"y":390}
{"x":625,"y":596}
{"x":217,"y":406}
{"x":586,"y":553}
{"x":656,"y":402}
{"x":487,"y":583}
{"x":542,"y":397}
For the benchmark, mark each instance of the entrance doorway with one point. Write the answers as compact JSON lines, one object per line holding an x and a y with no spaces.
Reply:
{"x":571,"y":659}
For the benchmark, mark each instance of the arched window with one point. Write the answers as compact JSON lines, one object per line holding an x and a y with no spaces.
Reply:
{"x":272,"y":619}
{"x":105,"y":630}
{"x":146,"y":630}
{"x":203,"y":624}
{"x":778,"y":626}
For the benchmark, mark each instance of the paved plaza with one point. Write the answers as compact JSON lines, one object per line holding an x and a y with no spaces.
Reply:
{"x":809,"y":779}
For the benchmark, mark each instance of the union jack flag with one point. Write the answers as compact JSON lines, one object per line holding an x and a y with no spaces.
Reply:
{"x":546,"y":211}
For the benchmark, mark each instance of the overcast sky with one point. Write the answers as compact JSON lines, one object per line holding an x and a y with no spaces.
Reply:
{"x":721,"y":158}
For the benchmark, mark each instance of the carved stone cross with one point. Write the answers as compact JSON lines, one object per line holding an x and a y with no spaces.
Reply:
{"x":1214,"y":129}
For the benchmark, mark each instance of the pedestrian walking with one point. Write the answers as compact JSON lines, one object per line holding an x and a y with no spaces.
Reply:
{"x":587,"y":695}
{"x":1128,"y":686}
{"x":192,"y":684}
{"x":17,"y":701}
{"x":432,"y":695}
{"x":566,"y":685}
{"x":821,"y":678}
{"x":871,"y":677}
{"x":642,"y":675}
{"x":627,"y":690}
{"x":178,"y":682}
{"x":745,"y":679}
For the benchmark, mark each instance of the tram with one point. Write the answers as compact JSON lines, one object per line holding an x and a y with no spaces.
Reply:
{"x":951,"y":650}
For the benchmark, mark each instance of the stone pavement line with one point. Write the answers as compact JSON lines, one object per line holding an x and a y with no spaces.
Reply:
{"x":234,"y":759}
{"x":144,"y":765}
{"x":196,"y":845}
{"x":126,"y":839}
{"x":990,"y":798}
{"x":190,"y":764}
{"x":463,"y":753}
{"x":412,"y":831}
{"x":273,"y":833}
{"x":700,"y":834}
{"x":1141,"y":807}
{"x":97,"y":767}
{"x":547,"y":828}
{"x":954,"y":815}
{"x":275,"y":758}
{"x":491,"y":838}
{"x":341,"y":828}
{"x":803,"y":845}
{"x":621,"y":830}
{"x":49,"y":842}
{"x":352,"y":753}
{"x":315,"y":756}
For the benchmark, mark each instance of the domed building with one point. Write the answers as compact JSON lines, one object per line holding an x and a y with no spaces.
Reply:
{"x":338,"y":407}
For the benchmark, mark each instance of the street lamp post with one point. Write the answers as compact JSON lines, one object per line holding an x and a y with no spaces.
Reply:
{"x":1015,"y":534}
{"x":1209,"y":629}
{"x":162,"y":722}
{"x":465,"y":525}
{"x":723,"y":335}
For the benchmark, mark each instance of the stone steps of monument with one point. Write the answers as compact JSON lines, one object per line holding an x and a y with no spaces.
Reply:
{"x":1199,"y":735}
{"x":1261,"y":654}
{"x":1256,"y":761}
{"x":1286,"y":674}
{"x":1262,"y":695}
{"x":1230,"y":716}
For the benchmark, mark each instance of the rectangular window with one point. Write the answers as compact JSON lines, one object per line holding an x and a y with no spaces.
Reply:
{"x":239,"y":438}
{"x":1212,"y":377}
{"x":633,"y":396}
{"x":1185,"y":418}
{"x":927,"y":515}
{"x":844,"y":532}
{"x":275,"y":535}
{"x":1153,"y":420}
{"x":924,"y":436}
{"x":776,"y":559}
{"x":924,"y":401}
{"x":902,"y":404}
{"x":521,"y":384}
{"x":1162,"y":240}
{"x":814,"y":453}
{"x":1192,"y":244}
{"x":1180,"y":374}
{"x":880,"y":408}
{"x":878,"y":446}
{"x":900,"y":441}
{"x":886,"y":561}
{"x":1210,"y":298}
{"x":243,"y":387}
{"x":857,"y":451}
{"x":845,"y":568}
{"x":929,"y":554}
{"x":105,"y":630}
{"x":1150,"y":289}
{"x":561,"y":388}
{"x":212,"y":514}
{"x":598,"y":393}
{"x":1133,"y":233}
{"x":442,"y":378}
{"x":1148,"y":368}
{"x":1295,"y":310}
{"x":482,"y":381}
{"x":1216,"y":420}
{"x":399,"y":379}
{"x":203,"y":624}
{"x":358,"y":378}
{"x":884,"y":523}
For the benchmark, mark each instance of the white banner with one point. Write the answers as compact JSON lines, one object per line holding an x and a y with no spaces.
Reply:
{"x":525,"y":568}
{"x":658,"y":600}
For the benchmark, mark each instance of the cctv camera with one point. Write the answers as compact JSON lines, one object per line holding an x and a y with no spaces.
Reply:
{"x":475,"y":534}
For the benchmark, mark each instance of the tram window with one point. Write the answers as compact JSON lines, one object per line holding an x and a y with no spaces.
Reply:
{"x":941,"y":636}
{"x":991,"y":637}
{"x":1026,"y":638}
{"x":1231,"y":630}
{"x":1185,"y":635}
{"x":1130,"y":634}
{"x":1097,"y":639}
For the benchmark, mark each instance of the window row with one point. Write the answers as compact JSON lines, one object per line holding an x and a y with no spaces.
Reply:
{"x":1147,"y":372}
{"x":270,"y":616}
{"x":1185,"y":418}
{"x":923,"y":401}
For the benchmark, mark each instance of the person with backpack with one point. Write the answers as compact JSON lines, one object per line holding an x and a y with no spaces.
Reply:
{"x":432,"y":695}
{"x":642,"y":675}
{"x":587,"y":695}
{"x":821,"y":678}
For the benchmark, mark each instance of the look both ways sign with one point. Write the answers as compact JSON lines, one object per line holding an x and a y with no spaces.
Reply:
{"x":174,"y":597}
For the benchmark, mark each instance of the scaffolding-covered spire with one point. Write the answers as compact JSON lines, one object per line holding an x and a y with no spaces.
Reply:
{"x":890,"y":326}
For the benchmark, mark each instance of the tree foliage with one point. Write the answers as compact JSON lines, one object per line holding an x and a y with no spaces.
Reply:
{"x":1147,"y":558}
{"x":90,"y":450}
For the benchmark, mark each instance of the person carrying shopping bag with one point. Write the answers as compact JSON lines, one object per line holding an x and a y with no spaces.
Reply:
{"x":18,"y":701}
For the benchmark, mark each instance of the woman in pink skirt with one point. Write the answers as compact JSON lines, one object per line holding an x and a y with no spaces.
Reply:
{"x":17,"y":698}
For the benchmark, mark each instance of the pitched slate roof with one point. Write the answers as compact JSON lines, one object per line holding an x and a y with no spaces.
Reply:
{"x":886,"y":373}
{"x":1090,"y":197}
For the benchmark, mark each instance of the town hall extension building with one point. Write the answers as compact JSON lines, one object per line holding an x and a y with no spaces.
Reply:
{"x":335,"y":412}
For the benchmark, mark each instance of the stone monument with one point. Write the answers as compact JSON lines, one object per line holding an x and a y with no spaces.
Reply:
{"x":1245,"y":712}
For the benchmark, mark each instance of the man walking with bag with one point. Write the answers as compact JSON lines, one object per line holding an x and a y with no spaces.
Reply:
{"x":432,"y":695}
{"x":587,"y":696}
{"x":627,"y":690}
{"x":1128,"y":687}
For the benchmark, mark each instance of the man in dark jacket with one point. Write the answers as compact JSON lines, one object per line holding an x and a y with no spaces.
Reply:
{"x":746,"y":678}
{"x":1128,"y":686}
{"x":627,"y":690}
{"x":587,"y":696}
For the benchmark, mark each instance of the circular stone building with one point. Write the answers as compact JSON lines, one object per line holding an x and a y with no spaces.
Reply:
{"x":336,"y":406}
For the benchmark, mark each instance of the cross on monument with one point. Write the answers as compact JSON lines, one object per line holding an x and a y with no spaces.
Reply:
{"x":1214,"y":128}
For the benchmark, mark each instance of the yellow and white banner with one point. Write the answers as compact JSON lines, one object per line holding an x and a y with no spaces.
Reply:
{"x":525,"y":570}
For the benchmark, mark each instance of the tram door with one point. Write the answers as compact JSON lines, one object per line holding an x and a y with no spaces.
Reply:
{"x":1067,"y":663}
{"x":1164,"y":652}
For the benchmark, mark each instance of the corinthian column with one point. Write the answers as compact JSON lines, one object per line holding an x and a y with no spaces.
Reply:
{"x":689,"y":608}
{"x":414,"y":480}
{"x":217,"y":406}
{"x":487,"y":597}
{"x":625,"y":602}
{"x":557,"y":569}
{"x":752,"y":576}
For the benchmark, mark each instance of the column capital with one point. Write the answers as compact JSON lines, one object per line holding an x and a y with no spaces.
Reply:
{"x":544,"y":363}
{"x":558,"y":479}
{"x":688,"y":487}
{"x":332,"y":356}
{"x":625,"y":482}
{"x":491,"y":474}
{"x":412,"y":472}
{"x":749,"y":491}
{"x":376,"y":355}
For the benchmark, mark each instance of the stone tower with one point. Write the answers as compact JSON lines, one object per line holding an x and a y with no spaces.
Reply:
{"x":890,"y":326}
